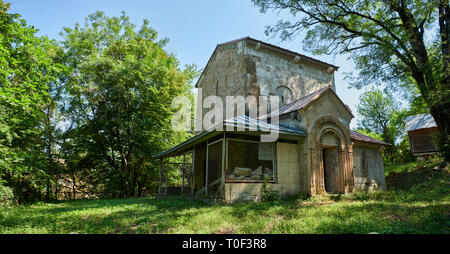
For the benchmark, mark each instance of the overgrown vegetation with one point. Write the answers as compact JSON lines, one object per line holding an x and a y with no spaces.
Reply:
{"x":82,"y":117}
{"x":418,"y":203}
{"x":267,"y":194}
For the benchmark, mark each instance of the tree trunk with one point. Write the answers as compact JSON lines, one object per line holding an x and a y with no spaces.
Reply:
{"x":441,"y":114}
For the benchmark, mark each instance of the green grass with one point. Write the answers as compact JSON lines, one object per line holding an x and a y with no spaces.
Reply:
{"x":408,"y":207}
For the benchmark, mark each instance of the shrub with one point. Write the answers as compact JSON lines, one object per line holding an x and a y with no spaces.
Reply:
{"x":303,"y":196}
{"x":367,"y":195}
{"x":267,"y":194}
{"x":6,"y":195}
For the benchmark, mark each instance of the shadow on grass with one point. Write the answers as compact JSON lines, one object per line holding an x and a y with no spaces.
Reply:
{"x":166,"y":215}
{"x":100,"y":216}
{"x":415,"y":206}
{"x":387,"y":218}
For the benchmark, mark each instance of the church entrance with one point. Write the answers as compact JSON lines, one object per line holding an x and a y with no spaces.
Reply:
{"x":331,"y":169}
{"x":330,"y":162}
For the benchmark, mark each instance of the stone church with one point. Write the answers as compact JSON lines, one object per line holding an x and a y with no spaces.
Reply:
{"x":316,"y":152}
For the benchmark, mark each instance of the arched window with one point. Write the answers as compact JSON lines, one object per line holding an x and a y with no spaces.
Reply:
{"x":284,"y":93}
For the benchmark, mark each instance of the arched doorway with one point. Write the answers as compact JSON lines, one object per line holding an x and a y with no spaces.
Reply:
{"x":329,"y":138}
{"x":330,"y":145}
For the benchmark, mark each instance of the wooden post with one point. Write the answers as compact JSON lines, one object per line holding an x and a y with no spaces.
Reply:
{"x":206,"y":175}
{"x":160,"y":175}
{"x":182,"y":173}
{"x":223,"y":166}
{"x":167,"y":173}
{"x":193,"y":171}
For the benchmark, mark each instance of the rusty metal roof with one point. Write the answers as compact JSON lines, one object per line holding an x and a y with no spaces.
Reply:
{"x":244,"y":122}
{"x":421,"y":121}
{"x":363,"y":138}
{"x":302,"y":103}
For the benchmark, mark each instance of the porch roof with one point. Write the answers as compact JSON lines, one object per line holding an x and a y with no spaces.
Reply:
{"x":354,"y":135}
{"x":237,"y":122}
{"x":303,"y":103}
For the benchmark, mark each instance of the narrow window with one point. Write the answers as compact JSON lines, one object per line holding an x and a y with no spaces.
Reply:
{"x":364,"y":170}
{"x":217,"y":88}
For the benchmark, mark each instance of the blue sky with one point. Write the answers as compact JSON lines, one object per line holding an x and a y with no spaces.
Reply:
{"x":194,"y":27}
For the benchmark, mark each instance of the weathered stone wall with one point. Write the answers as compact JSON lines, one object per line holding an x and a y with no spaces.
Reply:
{"x":238,"y":69}
{"x":275,"y":70}
{"x":368,"y":166}
{"x":224,"y":75}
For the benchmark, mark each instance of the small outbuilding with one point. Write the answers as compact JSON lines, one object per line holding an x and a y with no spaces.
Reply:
{"x":421,"y":130}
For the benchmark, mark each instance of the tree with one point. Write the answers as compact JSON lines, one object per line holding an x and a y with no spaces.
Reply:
{"x":27,"y":70}
{"x":120,"y":92}
{"x":377,"y":110}
{"x":387,"y":40}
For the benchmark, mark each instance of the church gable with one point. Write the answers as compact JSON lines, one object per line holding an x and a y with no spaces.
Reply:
{"x":328,"y":104}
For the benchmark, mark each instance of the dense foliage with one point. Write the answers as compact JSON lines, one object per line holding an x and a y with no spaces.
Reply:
{"x":377,"y":112}
{"x":28,"y":74}
{"x":120,"y":92}
{"x":86,"y":114}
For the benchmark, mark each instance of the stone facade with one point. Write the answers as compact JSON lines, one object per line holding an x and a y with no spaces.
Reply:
{"x":327,"y":159}
{"x":240,"y":68}
{"x":368,"y":166}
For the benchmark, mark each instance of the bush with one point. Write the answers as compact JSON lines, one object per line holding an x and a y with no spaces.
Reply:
{"x":267,"y":194}
{"x":6,"y":195}
{"x":367,"y":195}
{"x":303,"y":196}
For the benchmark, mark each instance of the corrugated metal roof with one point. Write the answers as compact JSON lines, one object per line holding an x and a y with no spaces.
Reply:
{"x":421,"y":121}
{"x":244,"y":122}
{"x":302,"y":103}
{"x":262,"y":126}
{"x":363,"y":138}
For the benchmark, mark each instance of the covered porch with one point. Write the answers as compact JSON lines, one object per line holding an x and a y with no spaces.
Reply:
{"x":210,"y":163}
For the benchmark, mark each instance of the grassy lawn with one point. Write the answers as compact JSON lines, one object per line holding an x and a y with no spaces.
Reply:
{"x":417,"y":202}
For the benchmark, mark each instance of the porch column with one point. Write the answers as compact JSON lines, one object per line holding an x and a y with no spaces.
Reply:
{"x":167,"y":173}
{"x":192,"y":171}
{"x":160,"y":175}
{"x":224,"y":164}
{"x":182,"y":174}
{"x":321,"y":171}
{"x":206,"y":176}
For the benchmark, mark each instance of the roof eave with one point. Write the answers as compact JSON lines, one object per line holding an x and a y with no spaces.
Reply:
{"x":270,"y":46}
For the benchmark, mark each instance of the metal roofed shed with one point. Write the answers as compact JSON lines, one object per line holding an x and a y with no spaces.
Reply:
{"x":421,"y":131}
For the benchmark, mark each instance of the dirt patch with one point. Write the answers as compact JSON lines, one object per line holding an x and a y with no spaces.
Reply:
{"x":396,"y":217}
{"x":226,"y":230}
{"x":318,"y":203}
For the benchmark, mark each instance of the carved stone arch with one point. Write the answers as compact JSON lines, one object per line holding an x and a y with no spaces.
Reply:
{"x":344,"y":178}
{"x":329,"y":128}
